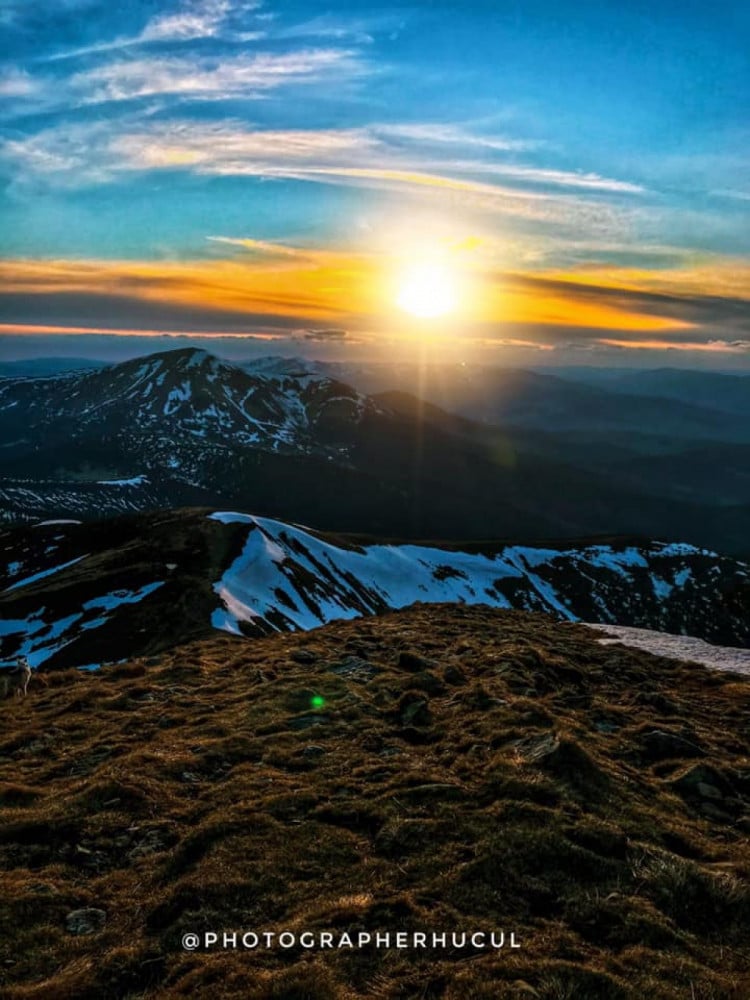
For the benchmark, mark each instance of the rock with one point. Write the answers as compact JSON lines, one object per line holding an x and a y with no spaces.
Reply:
{"x":372,"y":742}
{"x":662,"y":745}
{"x":88,"y":920}
{"x":313,"y":751}
{"x":150,"y":843}
{"x":408,"y":660}
{"x":701,"y":782}
{"x":536,"y":748}
{"x":427,"y":681}
{"x":413,"y":710}
{"x":605,"y":726}
{"x":481,"y":700}
{"x":303,"y":656}
{"x":355,"y":668}
{"x":566,"y":760}
{"x":416,"y":735}
{"x":454,"y":676}
{"x":707,"y":791}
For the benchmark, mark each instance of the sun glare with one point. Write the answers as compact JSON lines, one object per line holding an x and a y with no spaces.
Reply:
{"x":427,"y":291}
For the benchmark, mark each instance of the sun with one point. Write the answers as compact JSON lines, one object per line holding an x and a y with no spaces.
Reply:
{"x":427,"y":290}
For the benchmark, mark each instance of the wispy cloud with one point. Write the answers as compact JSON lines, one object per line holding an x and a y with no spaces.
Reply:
{"x":518,"y":201}
{"x":244,"y":75}
{"x":562,"y":178}
{"x":264,"y":248}
{"x":198,"y":19}
{"x":15,"y":82}
{"x":193,"y":20}
{"x":240,"y":21}
{"x":358,"y":29}
{"x":222,"y":148}
{"x":447,"y":133}
{"x":361,"y":157}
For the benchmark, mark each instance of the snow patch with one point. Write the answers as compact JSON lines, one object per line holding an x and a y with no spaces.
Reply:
{"x":44,"y":573}
{"x":285,"y":572}
{"x":116,"y":598}
{"x":677,"y":647}
{"x":179,"y":395}
{"x":42,"y":524}
{"x":135,"y":481}
{"x":662,"y":589}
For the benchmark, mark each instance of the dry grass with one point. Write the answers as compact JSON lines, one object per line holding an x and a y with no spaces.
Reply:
{"x":468,"y":769}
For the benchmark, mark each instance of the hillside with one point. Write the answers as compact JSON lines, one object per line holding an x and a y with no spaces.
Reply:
{"x":439,"y":769}
{"x":84,"y":594}
{"x":728,"y":391}
{"x":693,"y":406}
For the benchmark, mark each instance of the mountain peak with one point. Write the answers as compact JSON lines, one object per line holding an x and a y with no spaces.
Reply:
{"x":181,"y":358}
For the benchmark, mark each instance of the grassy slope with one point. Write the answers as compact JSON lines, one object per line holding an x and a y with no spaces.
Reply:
{"x":508,"y":780}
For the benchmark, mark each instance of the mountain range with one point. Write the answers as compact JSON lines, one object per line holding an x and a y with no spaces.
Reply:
{"x":285,"y":439}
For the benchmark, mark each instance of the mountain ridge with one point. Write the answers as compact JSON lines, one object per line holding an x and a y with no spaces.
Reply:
{"x":84,"y":594}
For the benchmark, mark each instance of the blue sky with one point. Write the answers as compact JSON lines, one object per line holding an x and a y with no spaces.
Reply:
{"x":600,"y":144}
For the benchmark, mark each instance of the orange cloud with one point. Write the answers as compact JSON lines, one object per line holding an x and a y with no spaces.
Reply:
{"x":358,"y":290}
{"x":712,"y":347}
{"x":526,"y":305}
{"x":720,"y":278}
{"x":39,"y":329}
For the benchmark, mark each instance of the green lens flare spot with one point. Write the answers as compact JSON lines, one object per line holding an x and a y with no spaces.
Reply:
{"x":317,"y":701}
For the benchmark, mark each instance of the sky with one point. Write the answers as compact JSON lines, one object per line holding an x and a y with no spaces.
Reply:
{"x":507,"y":181}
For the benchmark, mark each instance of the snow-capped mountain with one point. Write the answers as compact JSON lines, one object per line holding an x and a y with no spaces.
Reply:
{"x":84,"y":594}
{"x":287,"y":578}
{"x":184,"y":394}
{"x":167,"y":430}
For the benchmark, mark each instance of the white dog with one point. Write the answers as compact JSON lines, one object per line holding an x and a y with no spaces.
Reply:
{"x":16,"y":680}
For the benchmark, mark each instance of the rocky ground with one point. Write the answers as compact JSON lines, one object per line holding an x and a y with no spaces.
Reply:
{"x":441,"y":768}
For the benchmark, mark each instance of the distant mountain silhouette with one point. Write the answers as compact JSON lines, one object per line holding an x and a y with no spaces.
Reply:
{"x":286,"y":439}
